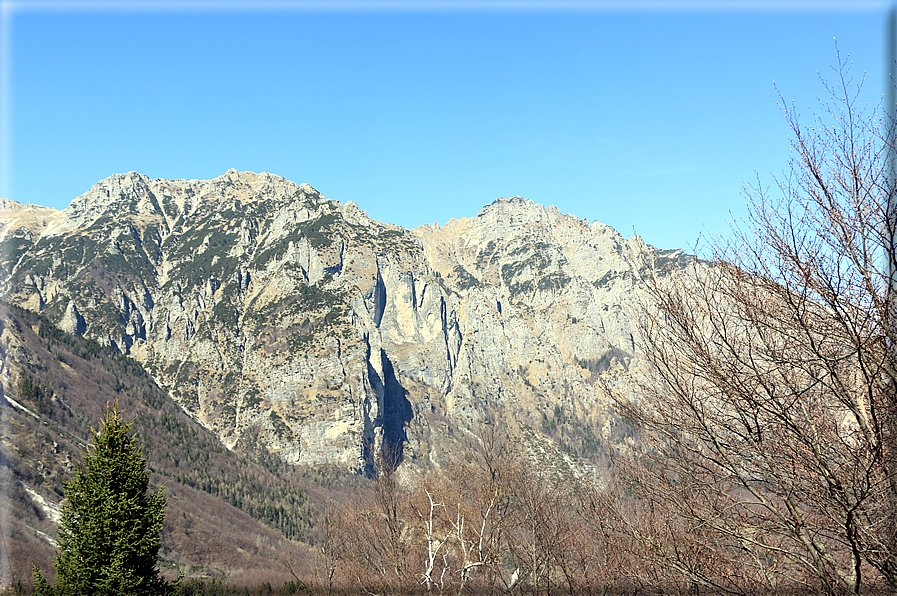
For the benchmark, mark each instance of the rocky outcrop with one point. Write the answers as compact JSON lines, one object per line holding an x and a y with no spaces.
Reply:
{"x":273,"y":313}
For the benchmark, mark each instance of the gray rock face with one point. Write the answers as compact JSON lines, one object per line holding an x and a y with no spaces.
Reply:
{"x":72,"y":321}
{"x":277,"y":316}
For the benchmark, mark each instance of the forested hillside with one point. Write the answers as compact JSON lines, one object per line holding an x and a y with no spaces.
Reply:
{"x":229,"y":511}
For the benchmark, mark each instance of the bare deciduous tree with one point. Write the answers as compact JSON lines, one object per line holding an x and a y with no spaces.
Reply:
{"x":766,"y":414}
{"x":371,"y":537}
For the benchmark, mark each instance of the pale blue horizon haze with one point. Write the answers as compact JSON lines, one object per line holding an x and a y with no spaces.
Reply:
{"x":648,"y":117}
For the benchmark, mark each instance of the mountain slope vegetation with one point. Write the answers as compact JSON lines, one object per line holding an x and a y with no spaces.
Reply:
{"x":229,"y":511}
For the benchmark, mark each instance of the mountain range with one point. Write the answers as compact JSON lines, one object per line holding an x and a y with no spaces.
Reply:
{"x":296,"y":331}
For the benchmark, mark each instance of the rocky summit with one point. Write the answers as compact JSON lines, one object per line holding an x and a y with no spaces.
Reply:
{"x":277,"y":317}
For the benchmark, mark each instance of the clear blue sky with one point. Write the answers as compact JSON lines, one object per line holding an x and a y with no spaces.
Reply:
{"x":648,"y":119}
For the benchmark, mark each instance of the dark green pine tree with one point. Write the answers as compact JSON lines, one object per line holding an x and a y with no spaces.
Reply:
{"x":109,"y":533}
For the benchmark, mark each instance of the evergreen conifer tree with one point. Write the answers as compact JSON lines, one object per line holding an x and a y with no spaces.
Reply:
{"x":110,"y":529}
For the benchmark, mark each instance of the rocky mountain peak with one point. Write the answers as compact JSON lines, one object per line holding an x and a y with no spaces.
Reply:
{"x":116,"y":188}
{"x":247,"y":186}
{"x":136,"y":195}
{"x":517,"y":211}
{"x":515,"y":201}
{"x":276,"y":316}
{"x":10,"y":205}
{"x":24,"y":221}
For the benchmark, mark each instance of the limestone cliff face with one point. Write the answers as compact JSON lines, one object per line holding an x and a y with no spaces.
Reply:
{"x":274,"y":315}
